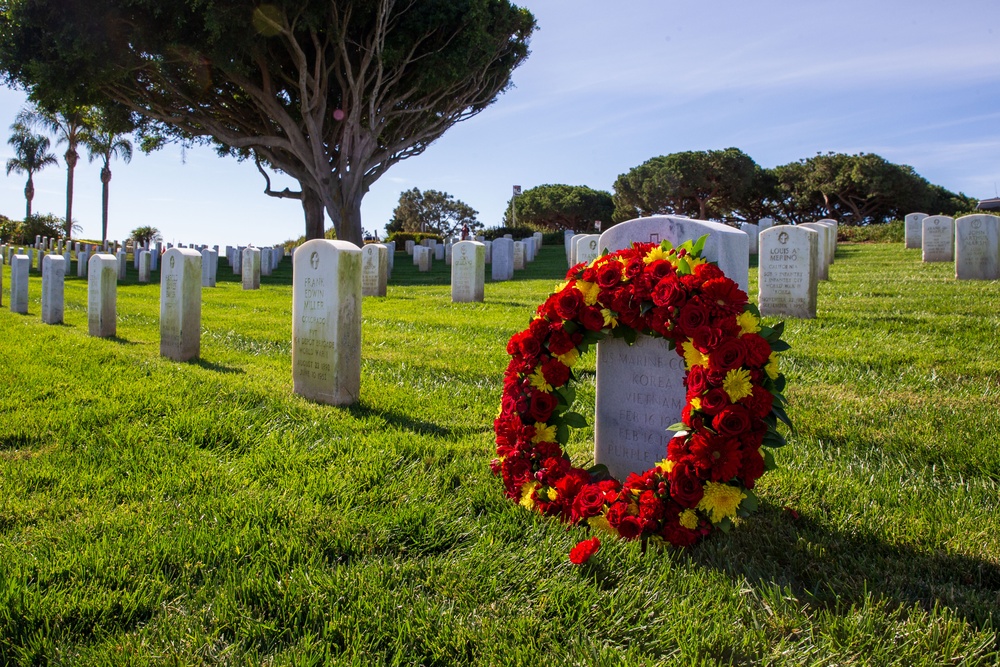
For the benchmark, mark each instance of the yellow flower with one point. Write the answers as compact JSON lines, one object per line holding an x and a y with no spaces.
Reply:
{"x":538,"y":381}
{"x":696,"y":403}
{"x":590,"y":291}
{"x":772,"y":367}
{"x":666,"y":465}
{"x":527,"y":495}
{"x":609,"y":319}
{"x":655,"y":254}
{"x":601,"y":525}
{"x":689,"y":519}
{"x":737,"y":384}
{"x":570,"y":357}
{"x":624,"y":263}
{"x":553,"y":494}
{"x":560,"y":287}
{"x":544,"y":433}
{"x":721,"y":501}
{"x":692,"y":356}
{"x":695,"y":261}
{"x":748,"y":322}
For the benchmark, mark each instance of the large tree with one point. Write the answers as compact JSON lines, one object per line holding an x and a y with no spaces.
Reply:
{"x":105,"y":141}
{"x":432,"y":211}
{"x":30,"y":155}
{"x":562,"y":207}
{"x":330,"y":92}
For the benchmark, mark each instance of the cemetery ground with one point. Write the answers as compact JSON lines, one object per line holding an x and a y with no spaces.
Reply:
{"x":154,"y":512}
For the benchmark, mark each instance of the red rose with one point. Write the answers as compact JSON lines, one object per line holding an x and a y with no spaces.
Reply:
{"x":686,"y":485}
{"x":678,"y":535}
{"x":727,"y":356}
{"x":759,"y":403}
{"x":752,"y":467}
{"x":661,"y":269}
{"x":542,"y":405}
{"x":629,"y":527}
{"x":588,"y":502}
{"x":714,"y":401}
{"x":583,"y":551}
{"x":591,"y":318}
{"x":569,"y":302}
{"x":707,"y":272}
{"x":560,"y":341}
{"x":717,"y":457}
{"x":609,"y":274}
{"x":518,"y":471}
{"x":732,"y":421}
{"x":696,"y":381}
{"x":668,"y":292}
{"x":693,"y":315}
{"x":556,"y":373}
{"x":707,"y":338}
{"x":634,"y":268}
{"x":756,"y":349}
{"x":650,"y":507}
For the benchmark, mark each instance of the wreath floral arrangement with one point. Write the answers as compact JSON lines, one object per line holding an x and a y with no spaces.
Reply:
{"x":728,"y":425}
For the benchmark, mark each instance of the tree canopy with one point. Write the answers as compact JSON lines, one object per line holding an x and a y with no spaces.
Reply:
{"x":556,"y":207}
{"x":432,"y":211}
{"x":330,"y":93}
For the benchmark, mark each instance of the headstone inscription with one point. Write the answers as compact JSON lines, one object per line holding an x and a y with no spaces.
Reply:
{"x":640,"y":389}
{"x":977,"y":246}
{"x":102,"y":295}
{"x":180,"y":304}
{"x":503,"y":260}
{"x":53,"y":289}
{"x":326,"y":321}
{"x":519,"y":251}
{"x":374,"y":269}
{"x":787,"y":280}
{"x":588,"y":248}
{"x":19,"y":267}
{"x":913,"y":230}
{"x":251,"y":268}
{"x":468,"y":271}
{"x":937,"y":238}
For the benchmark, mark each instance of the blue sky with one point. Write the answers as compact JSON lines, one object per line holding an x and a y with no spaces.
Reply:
{"x":610,"y":85}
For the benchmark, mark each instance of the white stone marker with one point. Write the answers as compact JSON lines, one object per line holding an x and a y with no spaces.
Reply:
{"x":102,"y":295}
{"x":19,"y":266}
{"x":251,"y":268}
{"x":266,"y":261}
{"x":390,"y":248}
{"x":374,"y":269}
{"x":503,"y":260}
{"x":787,"y":281}
{"x":753,"y":232}
{"x":913,"y":229}
{"x":938,"y":238}
{"x":438,"y":251}
{"x":640,"y":389}
{"x":468,"y":271}
{"x":568,"y":235}
{"x":489,"y":250}
{"x":765,"y":223}
{"x":538,"y":236}
{"x":154,"y":264}
{"x":53,"y":289}
{"x":208,"y":266}
{"x":424,"y":257}
{"x":831,"y":241}
{"x":81,"y":264}
{"x":145,"y":259}
{"x":326,"y":321}
{"x":977,"y":246}
{"x":1,"y":279}
{"x":447,"y":252}
{"x":122,"y":265}
{"x":519,"y":252}
{"x":588,"y":248}
{"x":823,"y":266}
{"x":409,"y":245}
{"x":180,"y":304}
{"x":238,"y":262}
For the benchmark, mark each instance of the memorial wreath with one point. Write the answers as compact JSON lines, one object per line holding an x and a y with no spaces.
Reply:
{"x":728,"y":425}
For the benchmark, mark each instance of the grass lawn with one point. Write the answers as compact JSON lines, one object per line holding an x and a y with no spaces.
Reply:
{"x":154,"y":512}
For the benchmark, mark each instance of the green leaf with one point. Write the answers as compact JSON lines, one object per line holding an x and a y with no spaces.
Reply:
{"x":749,"y":503}
{"x":778,"y":329}
{"x":562,"y":433}
{"x":724,"y":525}
{"x":630,"y":335}
{"x":599,"y":471}
{"x":749,"y":307}
{"x":699,"y":245}
{"x":779,"y":346}
{"x":569,"y":326}
{"x":774,"y":439}
{"x":568,"y":394}
{"x":666,"y":246}
{"x":780,"y":413}
{"x":646,"y":307}
{"x":574,"y":420}
{"x":678,"y":427}
{"x":769,"y":462}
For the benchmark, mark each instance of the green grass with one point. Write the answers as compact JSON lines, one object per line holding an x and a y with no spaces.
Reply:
{"x":155,"y":513}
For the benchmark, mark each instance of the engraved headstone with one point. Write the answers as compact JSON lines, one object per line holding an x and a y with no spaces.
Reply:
{"x":19,"y":267}
{"x":122,"y":265}
{"x":326,"y":321}
{"x":238,"y":262}
{"x":913,"y":229}
{"x":831,"y":239}
{"x":468,"y":271}
{"x":180,"y":304}
{"x":937,"y":238}
{"x":977,"y":245}
{"x":823,"y":265}
{"x":251,"y":268}
{"x":424,"y":257}
{"x":640,"y":389}
{"x":489,"y":251}
{"x":145,"y":259}
{"x":519,"y":255}
{"x":374,"y":269}
{"x":503,"y":260}
{"x":588,"y":248}
{"x":789,"y":257}
{"x":390,"y":248}
{"x":102,"y":295}
{"x":266,"y":262}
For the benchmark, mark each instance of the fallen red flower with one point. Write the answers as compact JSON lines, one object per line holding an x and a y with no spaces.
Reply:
{"x":582,"y":552}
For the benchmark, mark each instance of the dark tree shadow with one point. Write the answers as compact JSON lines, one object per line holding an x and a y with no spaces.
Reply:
{"x":218,"y":368}
{"x":399,"y":420}
{"x":120,"y":341}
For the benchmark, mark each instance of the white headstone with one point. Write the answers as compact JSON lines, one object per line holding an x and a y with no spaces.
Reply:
{"x":765,"y":223}
{"x":154,"y":264}
{"x":538,"y":236}
{"x":266,"y":261}
{"x":102,"y":294}
{"x":209,"y":263}
{"x":122,"y":265}
{"x":238,"y":262}
{"x":831,"y":238}
{"x":374,"y":269}
{"x":251,"y":268}
{"x":787,"y":280}
{"x":447,"y":252}
{"x":913,"y":229}
{"x":409,"y":245}
{"x":425,"y":258}
{"x":438,"y":251}
{"x":588,"y":248}
{"x":938,"y":238}
{"x":503,"y":260}
{"x":81,"y":264}
{"x":19,"y":267}
{"x":568,"y":235}
{"x":53,"y":282}
{"x":640,"y":389}
{"x":180,"y":304}
{"x":468,"y":271}
{"x":519,"y":251}
{"x":489,"y":251}
{"x":145,"y":259}
{"x":823,"y":267}
{"x":326,"y":321}
{"x":391,"y":255}
{"x":977,"y":246}
{"x":753,"y":232}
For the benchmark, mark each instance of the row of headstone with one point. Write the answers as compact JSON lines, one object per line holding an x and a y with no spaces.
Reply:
{"x":972,"y":242}
{"x":792,"y":260}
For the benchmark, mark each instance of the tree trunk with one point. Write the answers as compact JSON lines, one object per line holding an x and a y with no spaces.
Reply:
{"x":105,"y":181}
{"x":312,"y":207}
{"x":350,"y":222}
{"x":71,"y":158}
{"x":29,"y":194}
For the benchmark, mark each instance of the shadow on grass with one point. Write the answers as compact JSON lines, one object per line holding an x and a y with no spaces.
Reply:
{"x":218,"y":368}
{"x":834,"y":569}
{"x":120,"y":341}
{"x":399,"y":420}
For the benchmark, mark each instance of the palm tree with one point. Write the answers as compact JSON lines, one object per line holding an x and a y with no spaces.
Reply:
{"x":70,"y":127}
{"x":30,"y":155}
{"x":106,"y":143}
